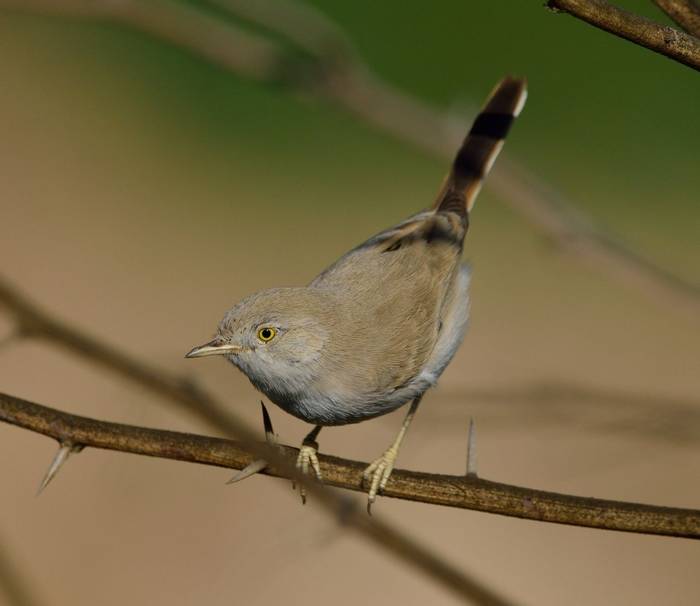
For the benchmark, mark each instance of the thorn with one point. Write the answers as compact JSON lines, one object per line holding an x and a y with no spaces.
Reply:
{"x":267,"y":424}
{"x":471,"y":450}
{"x":64,"y":450}
{"x":259,"y":464}
{"x":248,"y":470}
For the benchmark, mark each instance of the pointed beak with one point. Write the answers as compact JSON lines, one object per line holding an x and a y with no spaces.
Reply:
{"x":213,"y":348}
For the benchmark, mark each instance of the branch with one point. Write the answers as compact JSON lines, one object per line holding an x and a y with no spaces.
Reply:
{"x":75,"y":432}
{"x":661,"y":39}
{"x":465,"y":492}
{"x":685,"y":13}
{"x":311,"y":55}
{"x":475,"y":494}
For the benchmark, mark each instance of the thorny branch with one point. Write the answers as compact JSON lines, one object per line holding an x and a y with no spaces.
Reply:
{"x":311,"y":56}
{"x":466,"y":492}
{"x":661,"y":39}
{"x":75,"y":433}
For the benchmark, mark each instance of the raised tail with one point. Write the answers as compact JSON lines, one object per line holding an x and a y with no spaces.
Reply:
{"x":481,"y":147}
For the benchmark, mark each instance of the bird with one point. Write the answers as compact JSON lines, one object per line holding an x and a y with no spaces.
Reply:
{"x":376,"y":329}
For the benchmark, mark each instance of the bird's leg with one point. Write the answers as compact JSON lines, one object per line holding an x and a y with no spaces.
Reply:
{"x":377,"y":474}
{"x":307,"y":458}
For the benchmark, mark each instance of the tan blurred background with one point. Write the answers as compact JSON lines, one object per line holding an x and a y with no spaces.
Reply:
{"x":144,"y":191}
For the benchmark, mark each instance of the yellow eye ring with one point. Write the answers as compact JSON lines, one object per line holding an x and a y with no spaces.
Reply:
{"x":266,"y":334}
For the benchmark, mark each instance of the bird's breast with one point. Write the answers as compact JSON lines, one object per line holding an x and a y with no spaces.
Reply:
{"x":329,"y":407}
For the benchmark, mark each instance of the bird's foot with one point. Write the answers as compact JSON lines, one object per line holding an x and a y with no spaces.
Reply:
{"x":307,"y":459}
{"x":377,"y":475}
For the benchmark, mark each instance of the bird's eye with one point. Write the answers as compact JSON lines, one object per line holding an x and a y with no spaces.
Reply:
{"x":266,"y":334}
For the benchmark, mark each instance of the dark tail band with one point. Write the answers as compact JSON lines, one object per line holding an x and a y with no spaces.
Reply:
{"x":481,"y":147}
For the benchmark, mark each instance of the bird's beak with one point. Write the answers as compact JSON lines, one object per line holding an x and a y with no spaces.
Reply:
{"x":213,"y":348}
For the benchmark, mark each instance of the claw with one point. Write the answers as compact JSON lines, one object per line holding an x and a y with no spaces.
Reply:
{"x":307,"y":458}
{"x":377,"y":474}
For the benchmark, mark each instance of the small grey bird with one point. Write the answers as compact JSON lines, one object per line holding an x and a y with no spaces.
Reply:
{"x":377,"y":328}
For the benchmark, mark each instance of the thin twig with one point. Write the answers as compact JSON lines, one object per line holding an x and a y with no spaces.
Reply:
{"x":661,"y":39}
{"x":453,"y":491}
{"x":35,"y":323}
{"x":328,"y":67}
{"x":685,"y":13}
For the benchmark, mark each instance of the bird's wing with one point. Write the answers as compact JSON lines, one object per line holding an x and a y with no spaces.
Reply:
{"x":393,"y":289}
{"x":390,"y":292}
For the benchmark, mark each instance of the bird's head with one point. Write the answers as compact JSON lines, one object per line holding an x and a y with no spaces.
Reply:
{"x":276,"y":337}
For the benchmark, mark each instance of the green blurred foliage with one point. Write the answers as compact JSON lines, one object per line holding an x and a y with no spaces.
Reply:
{"x":614,"y":127}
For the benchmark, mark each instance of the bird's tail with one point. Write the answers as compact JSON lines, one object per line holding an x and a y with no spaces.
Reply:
{"x":481,"y":147}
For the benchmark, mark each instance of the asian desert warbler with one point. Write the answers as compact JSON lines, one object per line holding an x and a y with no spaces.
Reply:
{"x":377,"y":328}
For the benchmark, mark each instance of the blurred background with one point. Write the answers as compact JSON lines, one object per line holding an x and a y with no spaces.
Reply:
{"x":145,"y":190}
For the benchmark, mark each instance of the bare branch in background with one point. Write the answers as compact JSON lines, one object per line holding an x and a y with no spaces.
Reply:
{"x":32,"y":322}
{"x":311,"y":55}
{"x":685,"y":13}
{"x":593,"y":409}
{"x":80,"y":432}
{"x":661,"y":39}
